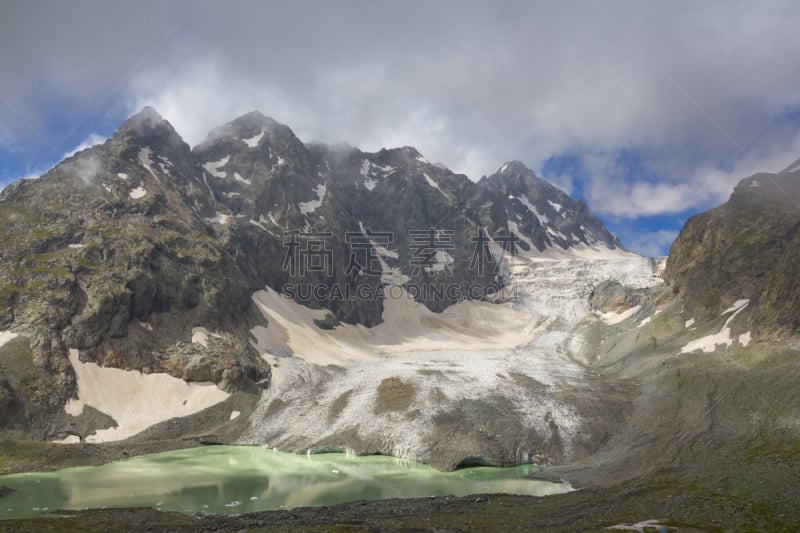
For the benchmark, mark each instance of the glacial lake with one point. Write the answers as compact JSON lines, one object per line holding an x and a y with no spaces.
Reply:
{"x":233,"y":480}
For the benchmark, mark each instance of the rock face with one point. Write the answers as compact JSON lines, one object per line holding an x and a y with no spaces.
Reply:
{"x":747,"y":248}
{"x":126,"y":250}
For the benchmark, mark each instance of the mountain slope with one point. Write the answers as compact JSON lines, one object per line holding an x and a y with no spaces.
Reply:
{"x":142,"y":254}
{"x":747,"y":248}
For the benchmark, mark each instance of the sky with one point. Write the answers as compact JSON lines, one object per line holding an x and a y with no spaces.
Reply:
{"x":649,"y":111}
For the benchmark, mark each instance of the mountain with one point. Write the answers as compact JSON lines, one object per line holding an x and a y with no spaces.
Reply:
{"x":142,"y":254}
{"x":747,"y":248}
{"x":543,"y":216}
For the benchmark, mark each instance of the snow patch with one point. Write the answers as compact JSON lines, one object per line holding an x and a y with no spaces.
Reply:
{"x":200,"y":336}
{"x":312,"y":205}
{"x":234,"y":415}
{"x":138,"y":192}
{"x":644,"y":322}
{"x":219,"y":218}
{"x":745,"y":338}
{"x":709,"y":343}
{"x":689,"y":323}
{"x":369,"y":183}
{"x":237,"y":177}
{"x":6,"y":336}
{"x":146,"y":326}
{"x":611,"y":318}
{"x":434,"y":184}
{"x":146,"y":161}
{"x":503,"y":168}
{"x":69,"y":439}
{"x":135,"y":400}
{"x":555,"y":206}
{"x":213,"y":167}
{"x":253,"y":141}
{"x":75,"y":246}
{"x":122,"y":176}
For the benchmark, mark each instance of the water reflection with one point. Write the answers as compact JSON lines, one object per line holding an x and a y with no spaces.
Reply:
{"x":236,"y":480}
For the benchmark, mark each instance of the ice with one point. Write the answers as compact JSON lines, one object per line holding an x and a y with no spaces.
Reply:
{"x":253,"y":141}
{"x":467,"y":351}
{"x":214,"y":166}
{"x":312,"y":205}
{"x":138,"y":192}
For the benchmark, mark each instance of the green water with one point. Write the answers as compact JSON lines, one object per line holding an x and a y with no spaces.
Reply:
{"x":244,"y":479}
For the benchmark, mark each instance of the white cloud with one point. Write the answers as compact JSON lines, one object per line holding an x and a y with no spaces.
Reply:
{"x":470,"y":84}
{"x":680,"y":188}
{"x":650,"y":243}
{"x":92,"y":140}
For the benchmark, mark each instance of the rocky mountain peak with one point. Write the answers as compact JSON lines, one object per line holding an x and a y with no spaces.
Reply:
{"x":148,"y":129}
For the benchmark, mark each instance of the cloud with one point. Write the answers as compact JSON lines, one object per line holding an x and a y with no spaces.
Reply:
{"x":651,"y":243}
{"x":612,"y":190}
{"x":704,"y":91}
{"x":92,"y":140}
